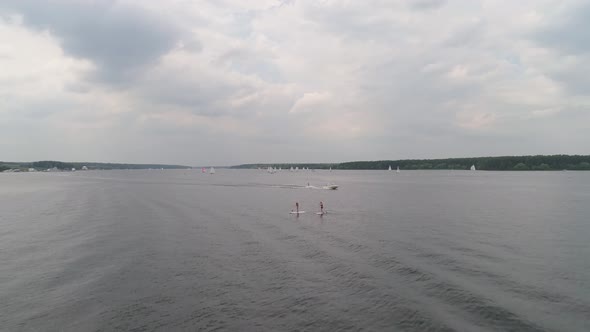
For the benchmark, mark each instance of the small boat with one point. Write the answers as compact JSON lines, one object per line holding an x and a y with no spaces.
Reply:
{"x":472,"y":167}
{"x":330,"y":187}
{"x":212,"y":170}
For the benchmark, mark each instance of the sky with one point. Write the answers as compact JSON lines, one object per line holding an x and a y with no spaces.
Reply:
{"x":221,"y":82}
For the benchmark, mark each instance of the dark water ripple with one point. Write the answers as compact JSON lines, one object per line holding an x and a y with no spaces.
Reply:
{"x":182,"y":250}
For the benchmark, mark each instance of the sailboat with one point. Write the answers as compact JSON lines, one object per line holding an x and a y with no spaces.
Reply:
{"x":203,"y":170}
{"x":397,"y":170}
{"x":212,"y":170}
{"x":472,"y":167}
{"x":390,"y":167}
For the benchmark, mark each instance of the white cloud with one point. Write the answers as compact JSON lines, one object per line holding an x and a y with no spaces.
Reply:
{"x":311,"y":102}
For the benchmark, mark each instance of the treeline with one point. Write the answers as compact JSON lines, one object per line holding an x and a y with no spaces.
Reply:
{"x":46,"y":164}
{"x":506,"y":163}
{"x":49,"y":164}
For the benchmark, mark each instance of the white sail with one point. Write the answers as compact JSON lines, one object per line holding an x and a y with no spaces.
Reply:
{"x":212,"y":170}
{"x":473,"y":167}
{"x":397,"y":169}
{"x":390,"y":167}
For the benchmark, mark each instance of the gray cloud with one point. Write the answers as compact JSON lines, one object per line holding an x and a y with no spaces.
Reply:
{"x":568,"y":31}
{"x":575,"y":77}
{"x":119,"y":39}
{"x":427,"y":4}
{"x":193,"y":46}
{"x":347,"y":21}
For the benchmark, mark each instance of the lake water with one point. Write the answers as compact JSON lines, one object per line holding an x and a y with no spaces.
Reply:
{"x":182,"y":250}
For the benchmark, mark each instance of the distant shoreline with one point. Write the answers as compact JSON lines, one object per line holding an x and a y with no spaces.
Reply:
{"x":53,"y":165}
{"x":503,"y":163}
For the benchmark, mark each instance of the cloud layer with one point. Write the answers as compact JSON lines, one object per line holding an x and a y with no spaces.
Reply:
{"x":216,"y":82}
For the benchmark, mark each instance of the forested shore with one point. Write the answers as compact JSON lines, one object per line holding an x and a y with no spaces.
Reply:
{"x":504,"y":163}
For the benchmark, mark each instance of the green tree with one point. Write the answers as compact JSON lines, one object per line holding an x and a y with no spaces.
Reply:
{"x":521,"y":167}
{"x":542,"y":167}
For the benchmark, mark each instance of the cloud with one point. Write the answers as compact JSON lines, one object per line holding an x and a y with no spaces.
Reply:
{"x":292,"y":80}
{"x":427,"y":4}
{"x":566,"y":34}
{"x":568,"y":30}
{"x":120,"y":39}
{"x":311,"y":102}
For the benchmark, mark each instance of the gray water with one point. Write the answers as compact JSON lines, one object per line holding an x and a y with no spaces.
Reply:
{"x":181,"y":250}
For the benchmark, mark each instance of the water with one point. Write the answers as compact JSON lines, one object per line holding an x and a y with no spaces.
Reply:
{"x":182,"y":250}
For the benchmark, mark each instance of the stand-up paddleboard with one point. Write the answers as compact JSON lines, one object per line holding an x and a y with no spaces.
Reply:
{"x":295,"y":212}
{"x":321,"y":213}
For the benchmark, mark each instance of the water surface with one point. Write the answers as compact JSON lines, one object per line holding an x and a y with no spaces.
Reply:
{"x":183,"y":250}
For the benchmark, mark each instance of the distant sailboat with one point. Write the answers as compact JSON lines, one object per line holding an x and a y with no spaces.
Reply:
{"x":397,"y":171}
{"x":390,"y":167}
{"x":203,"y":170}
{"x":330,"y":169}
{"x":472,"y":167}
{"x":212,"y":170}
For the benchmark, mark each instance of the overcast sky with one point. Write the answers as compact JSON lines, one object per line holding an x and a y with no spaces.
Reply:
{"x":227,"y":82}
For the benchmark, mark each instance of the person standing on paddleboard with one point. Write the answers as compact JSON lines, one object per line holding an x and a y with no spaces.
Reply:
{"x":297,"y":206}
{"x":322,"y":207}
